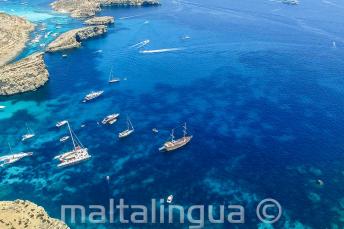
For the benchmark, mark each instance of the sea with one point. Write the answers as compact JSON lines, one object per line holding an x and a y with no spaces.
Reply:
{"x":259,"y":83}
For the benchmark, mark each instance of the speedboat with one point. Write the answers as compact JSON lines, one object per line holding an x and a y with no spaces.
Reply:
{"x":92,"y":95}
{"x":63,"y":139}
{"x":110,"y":119}
{"x":61,"y":123}
{"x":169,"y":199}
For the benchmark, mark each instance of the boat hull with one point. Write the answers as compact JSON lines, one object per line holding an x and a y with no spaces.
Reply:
{"x":170,"y":146}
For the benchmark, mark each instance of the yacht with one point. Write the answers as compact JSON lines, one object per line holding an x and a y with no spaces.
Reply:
{"x":13,"y":157}
{"x":77,"y":155}
{"x":92,"y":95}
{"x":112,"y":79}
{"x":176,"y":144}
{"x":63,"y":139}
{"x":2,"y":108}
{"x":128,"y":131}
{"x":110,"y":119}
{"x":169,"y":199}
{"x":155,"y":130}
{"x":61,"y":123}
{"x":29,"y":134}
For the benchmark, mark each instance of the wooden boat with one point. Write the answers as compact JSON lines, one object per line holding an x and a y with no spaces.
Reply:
{"x":176,"y":144}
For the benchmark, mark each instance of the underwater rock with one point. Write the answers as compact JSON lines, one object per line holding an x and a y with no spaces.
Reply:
{"x":73,"y":38}
{"x":25,"y":214}
{"x":87,"y":8}
{"x":14,"y":33}
{"x":100,"y":20}
{"x":24,"y":75}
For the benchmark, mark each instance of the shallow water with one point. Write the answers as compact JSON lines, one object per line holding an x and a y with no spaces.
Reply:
{"x":259,"y":84}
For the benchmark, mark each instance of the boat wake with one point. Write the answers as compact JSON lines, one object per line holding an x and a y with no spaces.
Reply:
{"x":140,"y":44}
{"x":162,"y":50}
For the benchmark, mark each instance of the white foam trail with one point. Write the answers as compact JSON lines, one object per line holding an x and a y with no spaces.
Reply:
{"x":128,"y":17}
{"x":161,"y":50}
{"x":140,"y":44}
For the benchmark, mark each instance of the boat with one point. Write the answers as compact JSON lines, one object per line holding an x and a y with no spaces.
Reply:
{"x":169,"y":199}
{"x":77,"y":155}
{"x":92,"y":95}
{"x":110,"y":119}
{"x":13,"y":157}
{"x":176,"y":144}
{"x":128,"y":131}
{"x":29,"y":134}
{"x":61,"y":123}
{"x":64,"y":55}
{"x":155,"y":130}
{"x":63,"y":139}
{"x":112,"y":79}
{"x":291,"y":2}
{"x":2,"y":107}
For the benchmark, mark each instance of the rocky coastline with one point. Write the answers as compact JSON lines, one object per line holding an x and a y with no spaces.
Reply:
{"x":24,"y":75}
{"x":105,"y":20}
{"x":87,"y":8}
{"x":73,"y":38}
{"x":14,"y":33}
{"x":25,"y":214}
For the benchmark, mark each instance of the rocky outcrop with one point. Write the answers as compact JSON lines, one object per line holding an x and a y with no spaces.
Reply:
{"x":25,"y":214}
{"x":105,"y":20}
{"x":73,"y":38}
{"x":88,"y":8}
{"x":14,"y":33}
{"x":24,"y":75}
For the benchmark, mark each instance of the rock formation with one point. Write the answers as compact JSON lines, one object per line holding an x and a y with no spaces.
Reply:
{"x":25,"y":214}
{"x":14,"y":33}
{"x":73,"y":38}
{"x":100,"y":20}
{"x":88,"y":8}
{"x":24,"y":75}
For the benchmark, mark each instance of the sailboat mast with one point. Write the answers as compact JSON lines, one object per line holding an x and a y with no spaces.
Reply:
{"x":71,"y":135}
{"x":10,"y":147}
{"x":184,"y":130}
{"x":172,"y":135}
{"x":110,"y":76}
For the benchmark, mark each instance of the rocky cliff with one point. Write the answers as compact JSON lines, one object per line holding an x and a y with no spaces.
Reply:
{"x":24,"y":75}
{"x":105,"y":20}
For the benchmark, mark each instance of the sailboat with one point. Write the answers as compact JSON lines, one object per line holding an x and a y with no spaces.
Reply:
{"x":112,"y":79}
{"x":176,"y":144}
{"x":77,"y":155}
{"x":13,"y":157}
{"x":29,"y":134}
{"x":128,"y":131}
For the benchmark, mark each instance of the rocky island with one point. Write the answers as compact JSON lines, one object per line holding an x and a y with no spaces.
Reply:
{"x":14,"y":33}
{"x":73,"y":38}
{"x":105,"y":20}
{"x":87,"y":8}
{"x":24,"y":75}
{"x":25,"y":214}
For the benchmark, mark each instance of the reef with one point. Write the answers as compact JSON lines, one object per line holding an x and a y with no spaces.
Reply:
{"x":24,"y":75}
{"x":14,"y":33}
{"x":73,"y":38}
{"x":105,"y":20}
{"x":89,"y":8}
{"x":25,"y":214}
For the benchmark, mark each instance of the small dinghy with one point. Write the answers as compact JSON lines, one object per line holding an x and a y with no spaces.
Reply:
{"x":61,"y":123}
{"x":63,"y":139}
{"x":169,"y":199}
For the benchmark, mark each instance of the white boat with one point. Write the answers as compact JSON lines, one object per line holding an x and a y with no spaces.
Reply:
{"x":64,"y":55}
{"x":92,"y":95}
{"x":61,"y":123}
{"x":128,"y":131}
{"x":13,"y":157}
{"x":2,"y":107}
{"x":169,"y":199}
{"x":155,"y":130}
{"x":112,"y":79}
{"x":176,"y":144}
{"x":110,"y":119}
{"x":30,"y":134}
{"x":63,"y":139}
{"x":77,"y":155}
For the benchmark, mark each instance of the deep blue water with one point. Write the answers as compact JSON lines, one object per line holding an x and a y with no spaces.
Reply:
{"x":259,"y":84}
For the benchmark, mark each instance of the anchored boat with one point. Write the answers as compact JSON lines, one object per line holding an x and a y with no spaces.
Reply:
{"x":2,"y":108}
{"x":77,"y":155}
{"x":61,"y":123}
{"x":92,"y":95}
{"x":176,"y":144}
{"x":110,"y":119}
{"x":30,"y":134}
{"x":128,"y":131}
{"x":13,"y":157}
{"x":112,"y":79}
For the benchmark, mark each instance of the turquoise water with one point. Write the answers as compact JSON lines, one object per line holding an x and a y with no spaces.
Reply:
{"x":259,"y":84}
